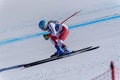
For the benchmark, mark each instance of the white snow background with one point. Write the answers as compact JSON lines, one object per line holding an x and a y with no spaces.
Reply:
{"x":21,"y":41}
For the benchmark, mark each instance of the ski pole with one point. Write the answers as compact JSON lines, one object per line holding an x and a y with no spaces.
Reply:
{"x":69,"y":17}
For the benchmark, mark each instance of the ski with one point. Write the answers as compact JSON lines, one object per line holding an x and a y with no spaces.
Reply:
{"x":49,"y":59}
{"x":56,"y":58}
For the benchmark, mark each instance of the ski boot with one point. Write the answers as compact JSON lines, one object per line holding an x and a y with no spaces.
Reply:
{"x":58,"y":53}
{"x":66,"y":51}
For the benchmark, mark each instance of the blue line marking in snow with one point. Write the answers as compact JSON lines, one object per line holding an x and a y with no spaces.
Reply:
{"x":20,"y":38}
{"x":70,"y":27}
{"x":95,"y":21}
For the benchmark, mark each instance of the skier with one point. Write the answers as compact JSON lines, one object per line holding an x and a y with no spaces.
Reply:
{"x":57,"y":33}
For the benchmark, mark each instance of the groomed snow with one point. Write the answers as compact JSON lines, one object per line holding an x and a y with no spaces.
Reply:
{"x":19,"y":19}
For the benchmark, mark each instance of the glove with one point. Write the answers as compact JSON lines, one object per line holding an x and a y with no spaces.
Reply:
{"x":46,"y":37}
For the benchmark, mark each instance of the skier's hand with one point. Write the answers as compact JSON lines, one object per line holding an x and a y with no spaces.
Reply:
{"x":46,"y":37}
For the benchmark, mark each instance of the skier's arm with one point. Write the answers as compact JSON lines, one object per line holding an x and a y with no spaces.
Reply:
{"x":52,"y":29}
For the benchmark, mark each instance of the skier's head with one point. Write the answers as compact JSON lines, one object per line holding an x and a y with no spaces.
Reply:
{"x":43,"y":25}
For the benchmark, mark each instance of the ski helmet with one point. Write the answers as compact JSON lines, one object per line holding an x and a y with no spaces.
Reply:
{"x":43,"y":24}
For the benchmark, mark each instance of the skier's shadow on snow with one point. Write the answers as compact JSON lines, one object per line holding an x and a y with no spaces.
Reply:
{"x":10,"y":68}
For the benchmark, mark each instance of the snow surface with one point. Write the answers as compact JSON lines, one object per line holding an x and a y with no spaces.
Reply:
{"x":21,"y":40}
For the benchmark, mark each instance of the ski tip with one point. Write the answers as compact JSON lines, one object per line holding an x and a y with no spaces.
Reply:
{"x":97,"y":46}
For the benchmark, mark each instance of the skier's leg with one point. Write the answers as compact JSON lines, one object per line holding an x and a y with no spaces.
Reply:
{"x":63,"y":35}
{"x":59,"y":51}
